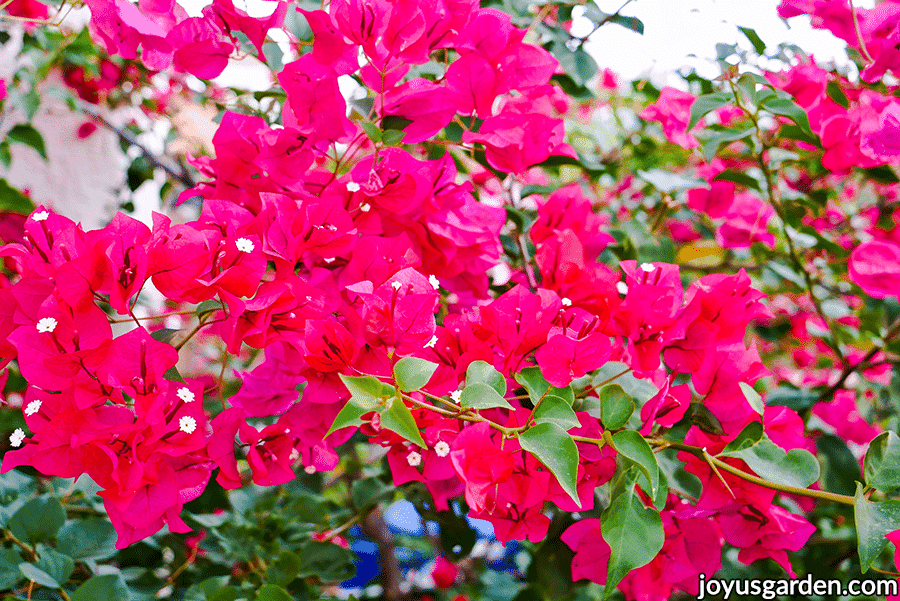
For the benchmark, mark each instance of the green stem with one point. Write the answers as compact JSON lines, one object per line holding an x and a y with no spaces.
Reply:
{"x":784,"y":488}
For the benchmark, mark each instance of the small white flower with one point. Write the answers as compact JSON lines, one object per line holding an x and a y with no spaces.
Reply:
{"x":413,"y":459}
{"x":40,"y":216}
{"x":328,"y":260}
{"x":287,"y":430}
{"x":187,"y":424}
{"x":244,"y":245}
{"x":310,"y":469}
{"x":647,"y":267}
{"x":566,"y":301}
{"x":16,"y":438}
{"x":186,"y":395}
{"x":622,"y":287}
{"x":365,"y":207}
{"x":442,"y":449}
{"x":434,"y":282}
{"x":294,"y":456}
{"x":46,"y":324}
{"x":33,"y":407}
{"x":352,"y":187}
{"x":456,"y":395}
{"x":431,"y":343}
{"x":396,"y":285}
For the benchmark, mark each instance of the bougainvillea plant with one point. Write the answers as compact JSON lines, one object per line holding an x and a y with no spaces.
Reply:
{"x":416,"y":272}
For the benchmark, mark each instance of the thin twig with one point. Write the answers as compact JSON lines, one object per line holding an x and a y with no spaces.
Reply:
{"x":181,"y":173}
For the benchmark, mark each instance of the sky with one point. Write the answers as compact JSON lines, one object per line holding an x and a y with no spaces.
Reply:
{"x":684,"y":33}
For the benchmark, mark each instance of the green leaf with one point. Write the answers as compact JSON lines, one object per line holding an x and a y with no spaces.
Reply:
{"x":557,"y":411}
{"x":326,"y":561}
{"x":756,"y":402}
{"x":840,"y":470}
{"x":10,"y":574}
{"x":534,"y":383}
{"x":397,"y":418}
{"x":13,"y":201}
{"x":347,"y":417}
{"x":712,"y":139}
{"x":834,"y":91}
{"x":873,"y":521}
{"x":52,"y":569}
{"x":749,"y":436}
{"x":366,"y":392}
{"x":482,"y":396}
{"x":797,"y":467}
{"x":366,"y":492}
{"x":109,"y":587}
{"x":788,"y":108}
{"x":557,"y":451}
{"x":632,"y":446}
{"x":412,"y":373}
{"x":285,"y":569}
{"x":578,"y":64}
{"x":882,"y":463}
{"x":92,"y":538}
{"x":616,"y":407}
{"x":164,"y":334}
{"x":704,"y":419}
{"x":482,"y":372}
{"x":37,"y":575}
{"x":706,"y":104}
{"x":38,"y":520}
{"x":737,"y":177}
{"x":207,"y":306}
{"x":393,"y":137}
{"x":632,"y":23}
{"x":273,"y":592}
{"x":206,"y":589}
{"x":634,"y":534}
{"x":5,"y":154}
{"x":25,"y":133}
{"x":758,"y":44}
{"x":371,"y":130}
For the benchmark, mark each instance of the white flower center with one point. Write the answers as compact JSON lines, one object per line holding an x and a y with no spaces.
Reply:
{"x":310,"y":469}
{"x":432,"y":342}
{"x":396,"y":285}
{"x":244,"y":245}
{"x":294,"y":456}
{"x":40,"y":216}
{"x":566,"y":301}
{"x":46,"y":324}
{"x":16,"y":438}
{"x":33,"y":407}
{"x":365,"y":207}
{"x":442,"y":449}
{"x":328,"y":260}
{"x":187,"y":424}
{"x":434,"y":282}
{"x":456,"y":395}
{"x":413,"y":459}
{"x":352,"y":187}
{"x":622,"y":287}
{"x":186,"y":395}
{"x":647,"y":267}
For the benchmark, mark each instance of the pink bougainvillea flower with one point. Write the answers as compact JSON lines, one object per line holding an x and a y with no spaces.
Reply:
{"x":515,"y":141}
{"x":201,"y":47}
{"x":875,"y":267}
{"x":746,"y":221}
{"x":592,"y":552}
{"x":714,"y":201}
{"x":842,"y":414}
{"x":673,"y":110}
{"x":881,"y":137}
